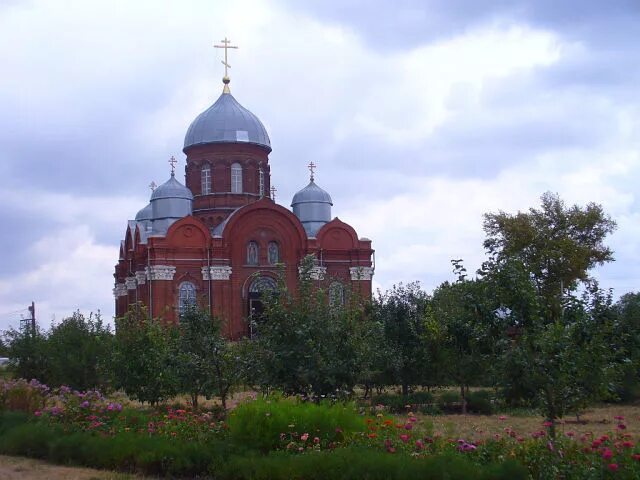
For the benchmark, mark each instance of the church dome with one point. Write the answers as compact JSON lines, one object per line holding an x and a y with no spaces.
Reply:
{"x":312,"y":205}
{"x":145,"y":214}
{"x":226,"y":121}
{"x":170,"y":202}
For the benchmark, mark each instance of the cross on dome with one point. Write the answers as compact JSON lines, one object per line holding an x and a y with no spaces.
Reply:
{"x":153,"y":185}
{"x":311,"y":167}
{"x":273,"y":193}
{"x":225,"y":62}
{"x":172,"y":162}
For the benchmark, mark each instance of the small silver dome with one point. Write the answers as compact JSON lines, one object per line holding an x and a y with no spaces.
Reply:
{"x":226,"y":121}
{"x":170,"y":202}
{"x":312,"y":205}
{"x":145,"y":214}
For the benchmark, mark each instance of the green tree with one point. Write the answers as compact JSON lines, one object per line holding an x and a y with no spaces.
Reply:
{"x":557,"y":246}
{"x":625,"y":342}
{"x":141,"y":362}
{"x":77,"y":351}
{"x":402,"y":313}
{"x":206,"y":363}
{"x":27,"y":352}
{"x":468,"y":331}
{"x":307,"y":345}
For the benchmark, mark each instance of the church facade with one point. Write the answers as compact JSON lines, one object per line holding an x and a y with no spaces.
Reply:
{"x":220,"y":240}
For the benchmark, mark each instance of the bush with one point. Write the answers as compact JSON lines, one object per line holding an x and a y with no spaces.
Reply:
{"x":450,"y":402}
{"x":480,"y":402}
{"x":401,"y":404}
{"x":358,"y":463}
{"x":267,"y":425}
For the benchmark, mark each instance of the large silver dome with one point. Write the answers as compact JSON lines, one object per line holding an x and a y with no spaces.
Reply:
{"x":145,"y":214}
{"x":226,"y":121}
{"x":170,"y":202}
{"x":312,"y":205}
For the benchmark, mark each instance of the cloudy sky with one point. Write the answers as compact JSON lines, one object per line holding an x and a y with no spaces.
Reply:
{"x":421,"y":115}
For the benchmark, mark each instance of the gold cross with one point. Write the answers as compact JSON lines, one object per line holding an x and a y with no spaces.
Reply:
{"x":273,"y":193}
{"x":312,"y":167}
{"x":152,"y":185}
{"x":172,"y":162}
{"x":225,"y":62}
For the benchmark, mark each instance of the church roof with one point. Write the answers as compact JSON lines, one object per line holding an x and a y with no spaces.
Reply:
{"x":226,"y":121}
{"x":312,"y":193}
{"x":145,"y":214}
{"x":172,"y":188}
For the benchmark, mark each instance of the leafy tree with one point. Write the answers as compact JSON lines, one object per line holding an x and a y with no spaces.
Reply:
{"x":467,"y":332}
{"x":305,"y":345}
{"x":402,"y":313}
{"x":206,"y":363}
{"x":556,"y":245}
{"x":77,"y":352}
{"x":27,"y":354}
{"x":625,"y":342}
{"x":141,"y":363}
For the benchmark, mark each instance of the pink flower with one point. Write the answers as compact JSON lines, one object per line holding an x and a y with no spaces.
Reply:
{"x":547,"y":424}
{"x":607,"y":454}
{"x":404,"y":437}
{"x":316,"y":440}
{"x":502,"y":417}
{"x":413,"y":419}
{"x":621,"y":426}
{"x":613,"y":467}
{"x":304,"y":437}
{"x":627,"y":444}
{"x":419,"y":444}
{"x":619,"y":417}
{"x":408,"y":426}
{"x":37,"y":413}
{"x":550,"y":446}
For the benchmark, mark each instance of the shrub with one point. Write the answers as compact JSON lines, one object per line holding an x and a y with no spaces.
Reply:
{"x":20,"y":395}
{"x":271,"y":424}
{"x":480,"y":402}
{"x":450,"y":402}
{"x":401,"y":404}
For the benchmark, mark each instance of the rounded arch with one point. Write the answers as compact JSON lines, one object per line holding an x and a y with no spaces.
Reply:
{"x":189,"y":232}
{"x":337,"y":235}
{"x":262,"y":283}
{"x":187,"y":291}
{"x":236,"y":178}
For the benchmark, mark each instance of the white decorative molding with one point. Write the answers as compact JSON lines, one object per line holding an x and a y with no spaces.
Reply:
{"x":361,"y":273}
{"x":141,"y":277}
{"x":161,"y":272}
{"x":120,"y":290}
{"x":217,"y":272}
{"x":315,"y":273}
{"x":130,"y":283}
{"x":205,"y":273}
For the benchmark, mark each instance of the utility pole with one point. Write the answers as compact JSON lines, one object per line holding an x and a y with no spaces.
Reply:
{"x":32,"y":311}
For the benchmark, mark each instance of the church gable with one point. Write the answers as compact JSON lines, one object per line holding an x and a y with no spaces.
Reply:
{"x":188,"y":232}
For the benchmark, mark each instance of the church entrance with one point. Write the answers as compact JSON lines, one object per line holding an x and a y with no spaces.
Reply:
{"x":256,"y":307}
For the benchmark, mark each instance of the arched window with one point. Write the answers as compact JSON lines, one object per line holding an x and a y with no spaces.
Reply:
{"x":336,"y":294}
{"x":252,"y":253}
{"x":273,"y":253}
{"x":205,"y":180}
{"x":186,"y":297}
{"x":236,"y":178}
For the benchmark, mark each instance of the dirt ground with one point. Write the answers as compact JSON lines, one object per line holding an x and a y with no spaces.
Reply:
{"x":19,"y":468}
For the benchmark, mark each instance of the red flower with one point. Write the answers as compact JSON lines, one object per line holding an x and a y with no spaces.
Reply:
{"x":607,"y":454}
{"x":621,"y":426}
{"x":404,"y":437}
{"x":636,"y":456}
{"x":613,"y":467}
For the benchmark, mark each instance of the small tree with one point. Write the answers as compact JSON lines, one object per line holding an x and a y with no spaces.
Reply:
{"x":27,"y":352}
{"x":206,"y":363}
{"x":306,"y":345}
{"x":401,"y":312}
{"x":78,"y":351}
{"x":141,"y":361}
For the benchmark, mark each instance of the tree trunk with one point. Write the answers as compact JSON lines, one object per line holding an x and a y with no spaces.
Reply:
{"x":464,"y":399}
{"x":405,"y":389}
{"x":194,"y":401}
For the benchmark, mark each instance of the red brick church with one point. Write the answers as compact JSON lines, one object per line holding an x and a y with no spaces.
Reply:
{"x":220,"y":241}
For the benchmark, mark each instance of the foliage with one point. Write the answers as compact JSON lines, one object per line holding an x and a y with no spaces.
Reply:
{"x":142,"y":357}
{"x":275,"y":423}
{"x":74,"y":352}
{"x":22,"y":396}
{"x":206,"y":363}
{"x":625,"y":342}
{"x":306,"y":345}
{"x":401,"y":312}
{"x":556,"y":245}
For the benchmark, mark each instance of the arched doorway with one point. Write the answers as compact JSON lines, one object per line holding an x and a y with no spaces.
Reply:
{"x":257,"y":288}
